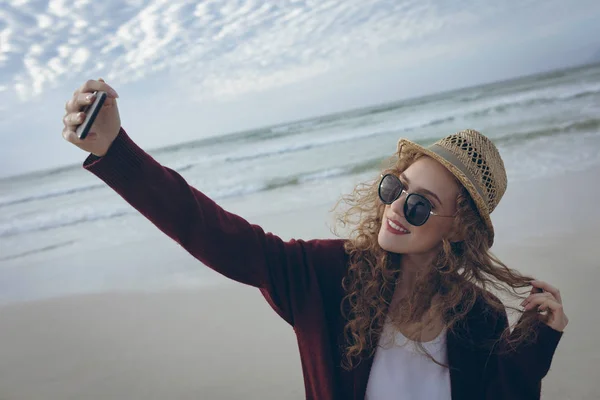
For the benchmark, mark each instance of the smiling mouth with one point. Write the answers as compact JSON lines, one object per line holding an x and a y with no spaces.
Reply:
{"x":397,"y":226}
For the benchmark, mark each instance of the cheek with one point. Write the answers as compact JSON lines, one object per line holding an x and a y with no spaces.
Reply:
{"x":434,"y":230}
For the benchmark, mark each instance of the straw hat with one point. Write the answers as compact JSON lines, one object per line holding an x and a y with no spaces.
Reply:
{"x":475,"y":161}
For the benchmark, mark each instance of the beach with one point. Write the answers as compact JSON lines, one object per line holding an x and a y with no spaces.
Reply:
{"x":97,"y":303}
{"x":224,"y":342}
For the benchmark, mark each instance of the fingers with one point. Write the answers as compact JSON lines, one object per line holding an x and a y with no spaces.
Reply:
{"x":71,"y":136}
{"x":93,"y":86}
{"x":82,"y":97}
{"x":543,"y":304}
{"x":78,"y":101}
{"x":545,"y":295}
{"x":538,"y":299}
{"x":548,"y":288}
{"x":551,"y":305}
{"x":547,"y":303}
{"x":72,"y":120}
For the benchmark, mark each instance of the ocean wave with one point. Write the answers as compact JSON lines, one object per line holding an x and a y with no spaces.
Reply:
{"x":467,"y":98}
{"x":500,"y":105}
{"x":58,"y":220}
{"x":330,"y":140}
{"x":237,"y":190}
{"x":185,"y":165}
{"x":37,"y":250}
{"x":382,"y":109}
{"x":275,"y":132}
{"x":533,"y":99}
{"x":288,"y":148}
{"x":584,"y":126}
{"x":323,"y":174}
{"x":373,"y":164}
{"x":179,"y":166}
{"x":315,"y":176}
{"x":4,"y":202}
{"x":294,"y":127}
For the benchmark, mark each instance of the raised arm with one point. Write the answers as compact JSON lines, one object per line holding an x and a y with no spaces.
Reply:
{"x":221,"y":240}
{"x":225,"y":242}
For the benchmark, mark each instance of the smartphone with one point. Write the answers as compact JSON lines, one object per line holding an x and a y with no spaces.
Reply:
{"x":91,"y":112}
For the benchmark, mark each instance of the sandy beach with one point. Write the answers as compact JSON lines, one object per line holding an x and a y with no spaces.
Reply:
{"x":224,"y":342}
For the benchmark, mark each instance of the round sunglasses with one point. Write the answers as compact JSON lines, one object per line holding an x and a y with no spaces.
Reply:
{"x":417,"y":208}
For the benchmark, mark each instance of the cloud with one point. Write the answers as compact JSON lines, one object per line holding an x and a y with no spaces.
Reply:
{"x":263,"y":62}
{"x":219,"y":48}
{"x":223,"y":50}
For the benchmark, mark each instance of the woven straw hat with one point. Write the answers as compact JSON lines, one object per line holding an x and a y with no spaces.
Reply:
{"x":475,"y":161}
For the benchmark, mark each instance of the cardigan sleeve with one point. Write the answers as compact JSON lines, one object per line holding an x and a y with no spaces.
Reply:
{"x":517,"y":373}
{"x":221,"y":240}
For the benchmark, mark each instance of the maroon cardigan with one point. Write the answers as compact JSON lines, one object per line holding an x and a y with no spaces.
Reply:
{"x":301,"y":280}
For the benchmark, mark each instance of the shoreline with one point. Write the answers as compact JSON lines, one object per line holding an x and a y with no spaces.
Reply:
{"x":223,"y":341}
{"x":144,"y":259}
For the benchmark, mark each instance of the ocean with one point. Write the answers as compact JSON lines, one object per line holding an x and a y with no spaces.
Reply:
{"x":543,"y":125}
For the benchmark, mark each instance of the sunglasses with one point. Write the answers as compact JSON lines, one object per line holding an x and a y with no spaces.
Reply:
{"x":417,"y":209}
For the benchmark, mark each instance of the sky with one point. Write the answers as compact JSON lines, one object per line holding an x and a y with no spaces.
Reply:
{"x":185,"y":70}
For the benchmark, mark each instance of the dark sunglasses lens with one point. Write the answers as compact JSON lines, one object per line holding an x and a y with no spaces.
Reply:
{"x":416,"y":209}
{"x":389,"y":189}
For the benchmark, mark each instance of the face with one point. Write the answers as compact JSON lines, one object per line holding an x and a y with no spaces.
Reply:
{"x":432,"y":180}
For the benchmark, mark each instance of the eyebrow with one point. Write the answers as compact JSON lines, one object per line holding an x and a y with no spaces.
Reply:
{"x":429,"y":192}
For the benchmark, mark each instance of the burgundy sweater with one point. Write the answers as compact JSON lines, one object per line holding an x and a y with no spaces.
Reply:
{"x":301,"y":280}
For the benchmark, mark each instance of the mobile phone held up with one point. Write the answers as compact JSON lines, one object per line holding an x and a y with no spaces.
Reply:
{"x":91,"y":112}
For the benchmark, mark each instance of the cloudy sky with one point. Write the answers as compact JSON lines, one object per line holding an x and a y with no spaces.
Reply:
{"x":189,"y":69}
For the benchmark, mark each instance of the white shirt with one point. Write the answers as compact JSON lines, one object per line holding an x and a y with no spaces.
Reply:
{"x":401,"y":371}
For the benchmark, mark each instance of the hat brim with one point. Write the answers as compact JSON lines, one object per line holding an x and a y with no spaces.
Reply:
{"x":405,"y":145}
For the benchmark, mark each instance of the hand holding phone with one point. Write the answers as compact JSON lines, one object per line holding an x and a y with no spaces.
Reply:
{"x":91,"y":112}
{"x":92,"y":120}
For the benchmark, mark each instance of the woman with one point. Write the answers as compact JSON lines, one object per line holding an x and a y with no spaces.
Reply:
{"x":400,"y":309}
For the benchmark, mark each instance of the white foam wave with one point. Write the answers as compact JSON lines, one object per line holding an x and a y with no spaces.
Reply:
{"x":236,"y":190}
{"x":385,"y":128}
{"x":7,"y":201}
{"x":319,"y":175}
{"x":545,"y":95}
{"x":295,"y":127}
{"x":60,"y":218}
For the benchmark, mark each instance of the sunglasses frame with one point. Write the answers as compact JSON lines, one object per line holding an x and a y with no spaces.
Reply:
{"x":408,"y":195}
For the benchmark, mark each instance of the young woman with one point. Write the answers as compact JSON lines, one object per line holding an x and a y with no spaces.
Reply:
{"x":402,"y":308}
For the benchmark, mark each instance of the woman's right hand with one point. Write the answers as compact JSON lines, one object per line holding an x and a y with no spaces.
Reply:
{"x":105,"y":128}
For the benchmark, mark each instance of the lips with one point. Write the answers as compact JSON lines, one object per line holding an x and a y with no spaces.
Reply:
{"x":396,"y":227}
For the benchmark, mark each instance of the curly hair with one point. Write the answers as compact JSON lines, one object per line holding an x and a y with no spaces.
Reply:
{"x":461,"y":273}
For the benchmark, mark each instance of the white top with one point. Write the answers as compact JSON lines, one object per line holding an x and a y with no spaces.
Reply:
{"x":402,"y":371}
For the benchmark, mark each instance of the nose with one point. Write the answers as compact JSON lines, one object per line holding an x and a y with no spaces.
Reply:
{"x":398,"y":205}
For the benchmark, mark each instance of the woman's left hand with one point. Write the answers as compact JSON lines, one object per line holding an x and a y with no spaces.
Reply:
{"x":549,"y":300}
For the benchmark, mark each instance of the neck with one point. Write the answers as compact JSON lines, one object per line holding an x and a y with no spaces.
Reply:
{"x":427,"y":325}
{"x":411,"y":266}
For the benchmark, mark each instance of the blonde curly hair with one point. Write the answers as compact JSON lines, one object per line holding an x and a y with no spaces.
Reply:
{"x":461,"y":273}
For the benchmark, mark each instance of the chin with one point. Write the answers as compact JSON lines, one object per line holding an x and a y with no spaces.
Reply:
{"x":411,"y":243}
{"x":392,"y":243}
